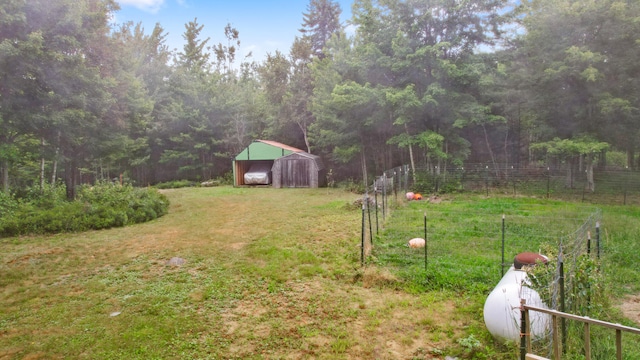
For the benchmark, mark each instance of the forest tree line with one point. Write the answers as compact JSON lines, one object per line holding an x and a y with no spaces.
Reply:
{"x":430,"y":83}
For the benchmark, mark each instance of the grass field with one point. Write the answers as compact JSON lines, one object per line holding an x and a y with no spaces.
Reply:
{"x":268,"y":273}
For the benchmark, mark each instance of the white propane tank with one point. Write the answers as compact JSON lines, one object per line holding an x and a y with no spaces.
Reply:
{"x":502,"y":308}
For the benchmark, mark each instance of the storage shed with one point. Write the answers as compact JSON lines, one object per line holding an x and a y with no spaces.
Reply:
{"x":259,"y":154}
{"x":298,"y":170}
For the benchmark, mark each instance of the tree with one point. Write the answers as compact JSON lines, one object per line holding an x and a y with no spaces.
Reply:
{"x":143,"y":68}
{"x":320,"y":23}
{"x":426,"y":47}
{"x":404,"y":105}
{"x":64,"y":76}
{"x":297,"y":100}
{"x":226,"y":54}
{"x":194,"y":56}
{"x":581,"y":57}
{"x":570,"y":150}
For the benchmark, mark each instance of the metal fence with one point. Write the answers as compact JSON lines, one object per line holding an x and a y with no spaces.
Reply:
{"x":466,"y":244}
{"x":383,"y":195}
{"x":609,"y":186}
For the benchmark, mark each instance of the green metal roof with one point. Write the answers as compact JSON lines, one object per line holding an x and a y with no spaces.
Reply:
{"x":265,"y":150}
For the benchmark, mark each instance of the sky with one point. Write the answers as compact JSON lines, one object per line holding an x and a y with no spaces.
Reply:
{"x":264,"y":25}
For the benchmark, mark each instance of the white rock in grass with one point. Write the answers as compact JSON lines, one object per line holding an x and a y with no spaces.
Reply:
{"x":416,"y":243}
{"x":176,"y":261}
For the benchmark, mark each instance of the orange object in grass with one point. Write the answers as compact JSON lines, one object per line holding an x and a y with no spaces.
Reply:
{"x":417,"y":197}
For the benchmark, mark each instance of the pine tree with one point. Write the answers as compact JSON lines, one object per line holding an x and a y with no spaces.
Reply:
{"x":321,"y":21}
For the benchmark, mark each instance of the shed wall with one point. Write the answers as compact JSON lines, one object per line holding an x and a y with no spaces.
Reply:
{"x":295,"y":171}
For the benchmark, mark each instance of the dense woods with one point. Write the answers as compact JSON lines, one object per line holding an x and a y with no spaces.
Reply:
{"x":430,"y":83}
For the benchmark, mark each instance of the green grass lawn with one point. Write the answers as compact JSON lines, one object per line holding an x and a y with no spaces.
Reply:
{"x":274,"y":273}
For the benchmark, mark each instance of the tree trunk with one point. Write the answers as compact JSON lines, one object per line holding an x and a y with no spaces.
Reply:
{"x":413,"y":163}
{"x":568,"y":182}
{"x":54,"y":171}
{"x":493,"y":158}
{"x":363,"y":159}
{"x":306,"y":137}
{"x":5,"y":176}
{"x":70,"y":179}
{"x":506,"y":154}
{"x":591,"y":185}
{"x":42,"y":165}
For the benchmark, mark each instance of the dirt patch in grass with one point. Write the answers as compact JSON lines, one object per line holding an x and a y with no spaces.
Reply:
{"x":346,"y":321}
{"x":630,"y":307}
{"x":399,"y":325}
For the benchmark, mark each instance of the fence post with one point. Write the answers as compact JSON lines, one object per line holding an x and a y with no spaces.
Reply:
{"x":598,"y":240}
{"x":425,"y":242}
{"x":384,"y":197}
{"x":362,"y":239}
{"x":563,"y":323}
{"x":486,"y":179}
{"x":502,"y":264}
{"x":548,"y":181}
{"x":406,"y":178}
{"x":375,"y":195}
{"x":523,"y":330}
{"x":588,"y":282}
{"x":395,"y":188}
{"x":370,"y":226}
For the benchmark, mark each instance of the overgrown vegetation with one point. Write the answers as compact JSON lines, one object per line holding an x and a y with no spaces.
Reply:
{"x":101,"y":206}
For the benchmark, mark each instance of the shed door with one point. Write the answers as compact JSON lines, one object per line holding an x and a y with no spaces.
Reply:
{"x":296,"y":173}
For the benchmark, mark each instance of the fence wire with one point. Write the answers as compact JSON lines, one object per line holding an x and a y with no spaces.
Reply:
{"x":471,"y":245}
{"x":609,"y":186}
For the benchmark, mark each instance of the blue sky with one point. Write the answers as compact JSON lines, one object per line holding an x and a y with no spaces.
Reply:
{"x":264,"y":25}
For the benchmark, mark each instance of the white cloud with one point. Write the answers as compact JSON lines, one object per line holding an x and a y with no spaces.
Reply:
{"x":151,"y":6}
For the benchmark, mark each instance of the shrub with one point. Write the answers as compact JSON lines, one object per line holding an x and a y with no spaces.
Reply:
{"x":175,"y":184}
{"x":617,"y":158}
{"x":427,"y":182}
{"x":102,"y":206}
{"x":7,"y":205}
{"x":353,"y":186}
{"x":48,"y":197}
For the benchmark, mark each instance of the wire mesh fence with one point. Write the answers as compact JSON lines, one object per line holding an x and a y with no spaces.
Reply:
{"x":608,"y":186}
{"x":470,"y":244}
{"x":383,"y":195}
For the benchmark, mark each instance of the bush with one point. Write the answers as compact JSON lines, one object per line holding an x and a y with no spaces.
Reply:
{"x":49,"y":197}
{"x":429,"y":183}
{"x":7,"y":205}
{"x":175,"y":184}
{"x":101,"y":206}
{"x":617,"y":158}
{"x":353,"y":186}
